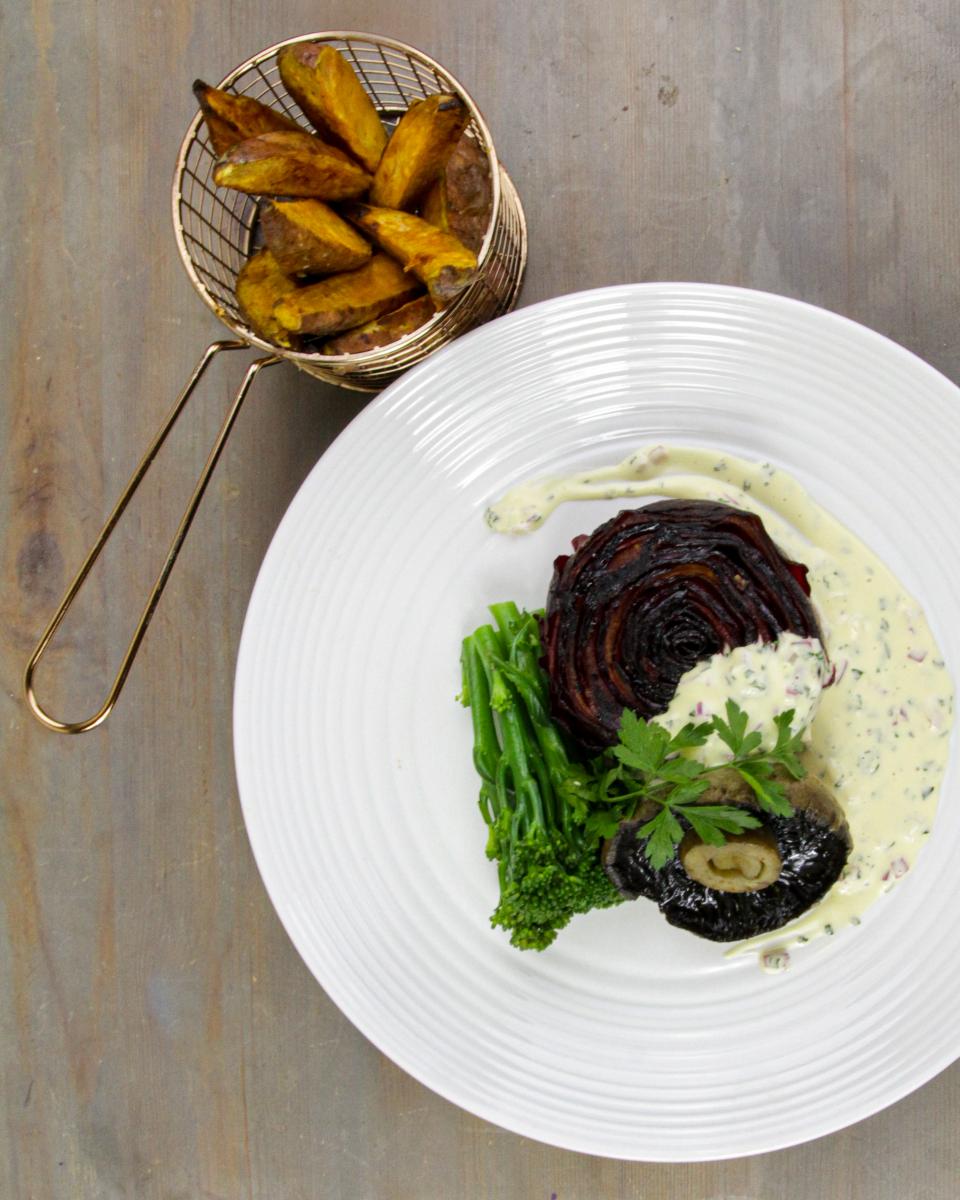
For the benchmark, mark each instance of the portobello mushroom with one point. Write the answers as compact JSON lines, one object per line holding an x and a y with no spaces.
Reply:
{"x":757,"y":881}
{"x":651,"y":593}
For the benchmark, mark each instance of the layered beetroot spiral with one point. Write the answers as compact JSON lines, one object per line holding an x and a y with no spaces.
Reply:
{"x":650,"y":594}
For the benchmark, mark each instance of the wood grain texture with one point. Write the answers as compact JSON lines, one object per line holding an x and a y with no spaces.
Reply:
{"x":159,"y":1036}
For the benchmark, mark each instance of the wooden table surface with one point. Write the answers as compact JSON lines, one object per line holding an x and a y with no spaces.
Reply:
{"x":160,"y":1036}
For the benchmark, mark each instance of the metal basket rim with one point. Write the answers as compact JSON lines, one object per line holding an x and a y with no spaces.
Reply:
{"x":367,"y":358}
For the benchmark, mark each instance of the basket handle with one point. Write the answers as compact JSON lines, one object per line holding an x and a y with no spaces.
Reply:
{"x":134,"y":482}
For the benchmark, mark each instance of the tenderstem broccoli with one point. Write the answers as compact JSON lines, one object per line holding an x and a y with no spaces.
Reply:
{"x":533,"y":797}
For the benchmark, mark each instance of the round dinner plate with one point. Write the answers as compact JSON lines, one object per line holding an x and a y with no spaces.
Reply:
{"x":627,"y":1037}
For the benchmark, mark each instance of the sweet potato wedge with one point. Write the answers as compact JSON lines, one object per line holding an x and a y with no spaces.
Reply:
{"x":260,"y":285}
{"x":307,"y":237}
{"x":383,"y":330}
{"x":231,"y":119}
{"x":417,"y":150}
{"x":346,"y":300}
{"x":289,"y":163}
{"x":460,"y":201}
{"x":325,"y":86}
{"x":468,"y":192}
{"x":435,"y":207}
{"x":437,"y":258}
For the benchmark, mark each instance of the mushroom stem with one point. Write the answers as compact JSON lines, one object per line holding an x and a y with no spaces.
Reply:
{"x":746,"y":862}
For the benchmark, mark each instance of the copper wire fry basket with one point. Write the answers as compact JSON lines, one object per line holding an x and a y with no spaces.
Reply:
{"x":217,"y":230}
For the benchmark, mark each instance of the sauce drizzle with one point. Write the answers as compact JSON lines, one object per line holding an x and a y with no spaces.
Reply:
{"x":880,"y":740}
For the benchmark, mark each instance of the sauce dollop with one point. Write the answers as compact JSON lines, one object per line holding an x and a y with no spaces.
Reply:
{"x":764,"y":678}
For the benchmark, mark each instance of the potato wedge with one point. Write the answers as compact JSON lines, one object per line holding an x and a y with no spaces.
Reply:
{"x":307,"y":237}
{"x":260,"y":285}
{"x":383,"y":330}
{"x":468,"y":192}
{"x":417,"y":150}
{"x":437,"y":258}
{"x":461,"y":200}
{"x":325,"y":86}
{"x":349,"y":299}
{"x":289,"y":163}
{"x":434,"y":207}
{"x":231,"y":119}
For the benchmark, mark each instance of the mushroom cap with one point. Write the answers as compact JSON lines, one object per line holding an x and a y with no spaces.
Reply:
{"x":814,"y":844}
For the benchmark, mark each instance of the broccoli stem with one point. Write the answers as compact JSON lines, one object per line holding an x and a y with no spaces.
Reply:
{"x":476,"y":691}
{"x":503,"y":698}
{"x":521,"y":632}
{"x":548,"y":797}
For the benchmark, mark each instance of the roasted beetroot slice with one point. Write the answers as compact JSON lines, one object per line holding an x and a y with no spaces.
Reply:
{"x":650,"y":594}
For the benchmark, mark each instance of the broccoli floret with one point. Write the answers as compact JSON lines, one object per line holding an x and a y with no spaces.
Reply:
{"x":552,"y":882}
{"x":596,"y":890}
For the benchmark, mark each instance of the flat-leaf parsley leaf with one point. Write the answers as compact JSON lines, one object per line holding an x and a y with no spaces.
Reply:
{"x":649,"y":765}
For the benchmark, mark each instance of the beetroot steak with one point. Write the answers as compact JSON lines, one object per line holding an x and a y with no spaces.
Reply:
{"x":651,"y":593}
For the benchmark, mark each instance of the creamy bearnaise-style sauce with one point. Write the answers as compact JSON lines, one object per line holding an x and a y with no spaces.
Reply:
{"x":881,"y":696}
{"x":765,"y":678}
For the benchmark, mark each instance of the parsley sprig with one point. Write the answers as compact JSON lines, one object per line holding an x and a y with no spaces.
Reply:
{"x":649,"y":764}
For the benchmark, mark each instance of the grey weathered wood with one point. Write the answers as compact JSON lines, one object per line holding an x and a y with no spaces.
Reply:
{"x":159,"y":1036}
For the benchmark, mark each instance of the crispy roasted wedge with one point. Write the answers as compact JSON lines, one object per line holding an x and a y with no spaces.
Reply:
{"x":290,"y":163}
{"x":231,"y":119}
{"x":435,"y":206}
{"x":418,"y":149}
{"x":437,"y":258}
{"x":325,"y":86}
{"x":260,"y":285}
{"x":383,"y":330}
{"x":349,"y":299}
{"x":461,"y":200}
{"x":468,"y":192}
{"x":308,"y":238}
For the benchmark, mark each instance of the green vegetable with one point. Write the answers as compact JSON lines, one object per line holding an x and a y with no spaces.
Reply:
{"x":649,"y":764}
{"x":534,"y":799}
{"x":547,"y":813}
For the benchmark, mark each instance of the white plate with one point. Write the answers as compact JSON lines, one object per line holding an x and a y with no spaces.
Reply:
{"x":627,"y":1038}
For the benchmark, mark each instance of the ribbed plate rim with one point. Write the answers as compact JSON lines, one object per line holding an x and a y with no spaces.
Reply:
{"x":532,"y":317}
